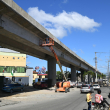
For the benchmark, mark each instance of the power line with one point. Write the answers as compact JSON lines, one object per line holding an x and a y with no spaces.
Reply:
{"x":96,"y":63}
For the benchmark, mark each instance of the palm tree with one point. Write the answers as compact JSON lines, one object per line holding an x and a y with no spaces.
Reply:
{"x":89,"y":73}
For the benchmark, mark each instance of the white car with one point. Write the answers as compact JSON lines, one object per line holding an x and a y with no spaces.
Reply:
{"x":96,"y":86}
{"x":79,"y":84}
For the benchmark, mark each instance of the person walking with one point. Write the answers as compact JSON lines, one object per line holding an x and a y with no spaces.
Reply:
{"x":89,"y":97}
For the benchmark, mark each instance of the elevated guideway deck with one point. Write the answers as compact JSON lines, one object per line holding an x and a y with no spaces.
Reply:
{"x":20,"y":32}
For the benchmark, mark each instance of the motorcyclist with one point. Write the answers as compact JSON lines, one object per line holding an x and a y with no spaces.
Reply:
{"x":99,"y":98}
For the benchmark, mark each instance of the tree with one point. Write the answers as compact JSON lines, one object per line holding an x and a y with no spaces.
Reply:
{"x":89,"y":73}
{"x":103,"y":75}
{"x":67,"y":74}
{"x":78,"y":74}
{"x":46,"y":72}
{"x":59,"y":75}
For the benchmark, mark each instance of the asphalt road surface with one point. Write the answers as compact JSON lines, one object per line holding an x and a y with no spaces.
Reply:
{"x":73,"y":100}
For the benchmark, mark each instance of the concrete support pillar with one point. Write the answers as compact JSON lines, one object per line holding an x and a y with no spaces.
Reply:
{"x":51,"y":72}
{"x":73,"y":73}
{"x":88,"y":78}
{"x":82,"y":72}
{"x":93,"y":78}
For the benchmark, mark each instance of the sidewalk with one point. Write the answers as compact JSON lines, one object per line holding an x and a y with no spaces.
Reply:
{"x":4,"y":102}
{"x":31,"y":94}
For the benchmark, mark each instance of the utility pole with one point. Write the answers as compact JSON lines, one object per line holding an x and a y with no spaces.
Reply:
{"x":96,"y":65}
{"x":66,"y":72}
{"x":108,"y":71}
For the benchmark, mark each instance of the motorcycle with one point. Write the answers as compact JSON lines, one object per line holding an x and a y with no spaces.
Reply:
{"x":98,"y":106}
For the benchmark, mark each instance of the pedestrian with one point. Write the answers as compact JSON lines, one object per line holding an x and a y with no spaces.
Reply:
{"x":47,"y":40}
{"x":89,"y":97}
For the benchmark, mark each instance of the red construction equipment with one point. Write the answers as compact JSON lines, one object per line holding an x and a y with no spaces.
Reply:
{"x":60,"y":86}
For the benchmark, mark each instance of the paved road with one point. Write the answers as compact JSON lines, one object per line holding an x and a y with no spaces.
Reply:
{"x":57,"y":101}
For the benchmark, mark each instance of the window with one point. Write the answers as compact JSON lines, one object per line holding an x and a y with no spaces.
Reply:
{"x":84,"y":85}
{"x":18,"y":57}
{"x":9,"y":69}
{"x":3,"y":57}
{"x":20,"y":69}
{"x":13,"y":57}
{"x":1,"y":69}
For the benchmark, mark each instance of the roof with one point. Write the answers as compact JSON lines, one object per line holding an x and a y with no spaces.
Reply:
{"x":34,"y":72}
{"x":42,"y":74}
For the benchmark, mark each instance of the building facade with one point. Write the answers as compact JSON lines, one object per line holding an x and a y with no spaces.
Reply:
{"x":13,"y":63}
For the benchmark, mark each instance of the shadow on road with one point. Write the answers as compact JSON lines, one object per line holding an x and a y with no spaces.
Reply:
{"x":109,"y":95}
{"x":84,"y":109}
{"x":26,"y":89}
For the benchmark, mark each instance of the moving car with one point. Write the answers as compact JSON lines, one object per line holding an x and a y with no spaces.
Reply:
{"x":13,"y":87}
{"x":96,"y":86}
{"x":87,"y":88}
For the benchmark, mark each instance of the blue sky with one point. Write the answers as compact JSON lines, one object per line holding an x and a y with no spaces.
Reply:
{"x":82,"y":25}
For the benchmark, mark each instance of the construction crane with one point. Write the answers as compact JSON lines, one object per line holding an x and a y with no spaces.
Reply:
{"x":63,"y":86}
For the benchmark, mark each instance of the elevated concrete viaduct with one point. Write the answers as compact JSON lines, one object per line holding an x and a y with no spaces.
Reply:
{"x":20,"y":32}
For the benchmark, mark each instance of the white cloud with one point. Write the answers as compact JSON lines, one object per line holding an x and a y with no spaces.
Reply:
{"x":81,"y":51}
{"x":65,"y":1}
{"x":94,"y":45}
{"x":63,"y":22}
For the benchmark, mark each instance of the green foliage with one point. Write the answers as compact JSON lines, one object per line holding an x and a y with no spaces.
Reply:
{"x":103,"y":75}
{"x":46,"y":72}
{"x":89,"y":73}
{"x":59,"y":75}
{"x":98,"y":75}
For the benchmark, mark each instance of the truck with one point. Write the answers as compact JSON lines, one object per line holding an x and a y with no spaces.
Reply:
{"x":103,"y":82}
{"x":59,"y":86}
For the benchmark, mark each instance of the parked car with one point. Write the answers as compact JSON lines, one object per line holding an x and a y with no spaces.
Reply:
{"x":43,"y":84}
{"x":79,"y":85}
{"x":96,"y":86}
{"x":13,"y":87}
{"x":87,"y":88}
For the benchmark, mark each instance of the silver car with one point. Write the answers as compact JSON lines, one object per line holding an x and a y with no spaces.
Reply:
{"x":96,"y":86}
{"x":87,"y":88}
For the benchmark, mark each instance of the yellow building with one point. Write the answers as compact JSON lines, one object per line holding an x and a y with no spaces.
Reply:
{"x":35,"y":75}
{"x":12,"y":61}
